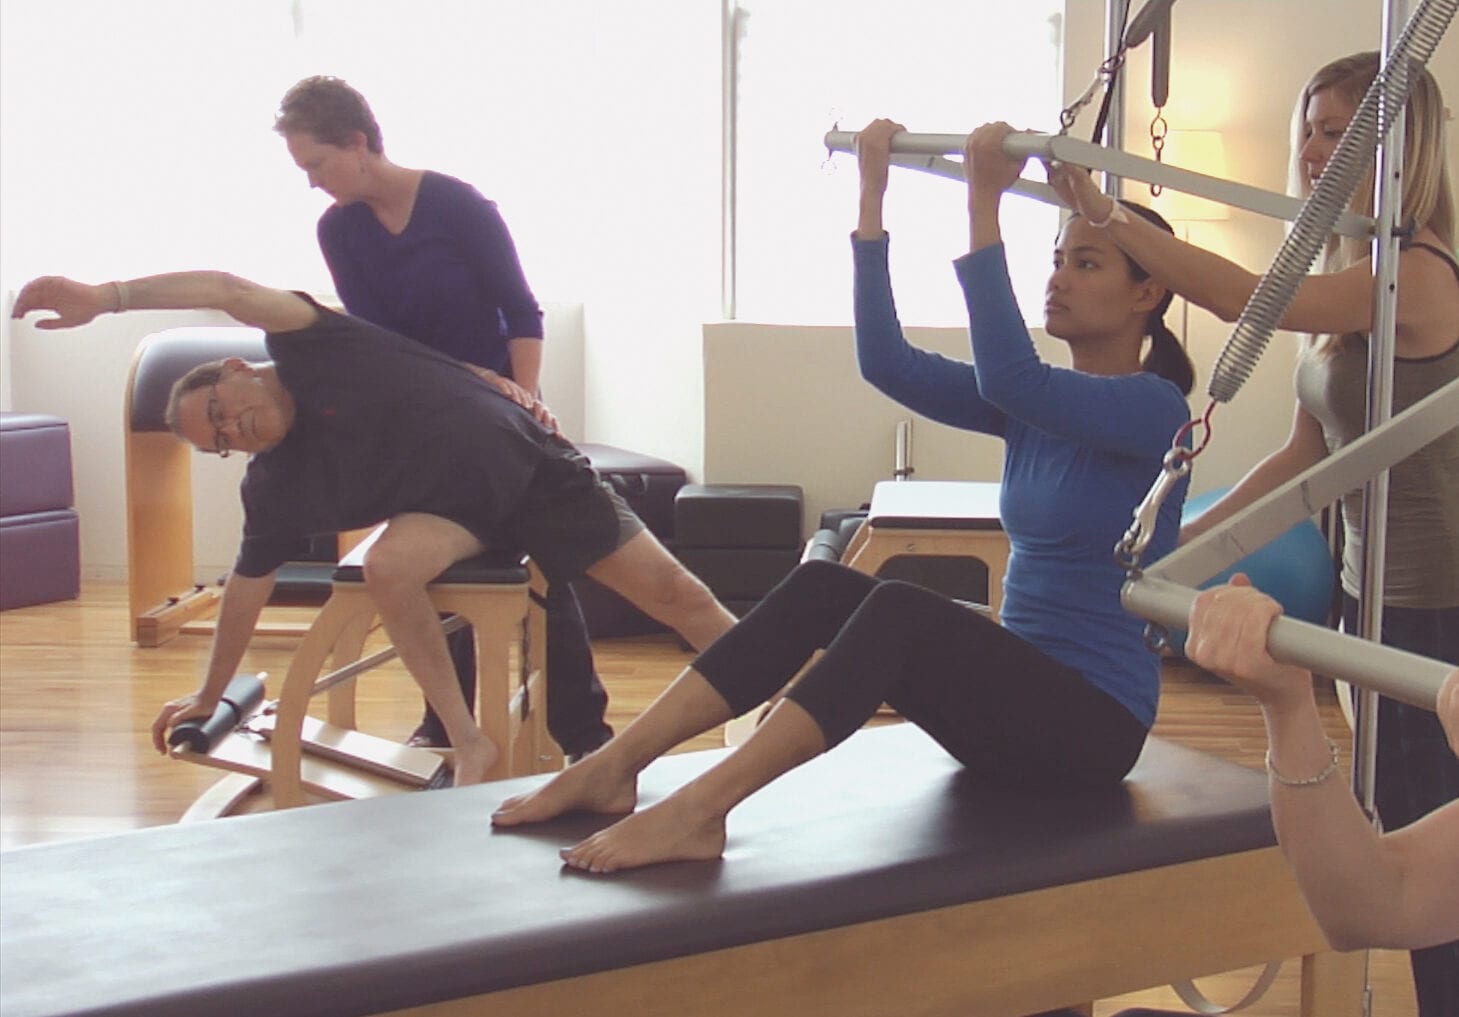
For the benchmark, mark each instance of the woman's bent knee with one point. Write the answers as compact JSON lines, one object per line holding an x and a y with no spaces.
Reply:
{"x":821,"y":578}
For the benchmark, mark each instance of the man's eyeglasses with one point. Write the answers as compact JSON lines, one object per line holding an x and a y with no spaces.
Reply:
{"x":217,"y":422}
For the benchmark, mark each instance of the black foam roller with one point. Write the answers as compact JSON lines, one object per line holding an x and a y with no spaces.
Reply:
{"x":242,"y":696}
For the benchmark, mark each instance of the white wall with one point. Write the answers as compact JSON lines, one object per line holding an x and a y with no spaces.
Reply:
{"x":787,"y":406}
{"x":645,"y":269}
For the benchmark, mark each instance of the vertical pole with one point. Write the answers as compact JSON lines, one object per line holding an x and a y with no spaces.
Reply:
{"x":729,"y":75}
{"x":903,"y":468}
{"x":1388,"y":208}
{"x":1388,"y":202}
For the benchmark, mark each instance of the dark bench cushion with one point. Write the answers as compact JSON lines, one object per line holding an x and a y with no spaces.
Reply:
{"x":395,"y":902}
{"x":646,"y":482}
{"x":738,"y":515}
{"x":649,"y":485}
{"x":488,"y":567}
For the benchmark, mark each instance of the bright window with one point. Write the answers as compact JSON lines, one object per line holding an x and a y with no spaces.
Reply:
{"x":936,"y":67}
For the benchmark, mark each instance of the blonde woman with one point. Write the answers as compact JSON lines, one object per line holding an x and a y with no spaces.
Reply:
{"x":1416,"y":771}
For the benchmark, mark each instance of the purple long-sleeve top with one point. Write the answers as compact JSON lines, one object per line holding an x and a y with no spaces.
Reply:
{"x":451,"y":279}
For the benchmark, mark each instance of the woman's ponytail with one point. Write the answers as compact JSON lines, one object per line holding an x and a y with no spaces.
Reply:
{"x":1166,"y":356}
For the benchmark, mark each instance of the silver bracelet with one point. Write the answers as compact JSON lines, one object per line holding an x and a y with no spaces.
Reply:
{"x":1116,"y":214}
{"x":1321,"y":778}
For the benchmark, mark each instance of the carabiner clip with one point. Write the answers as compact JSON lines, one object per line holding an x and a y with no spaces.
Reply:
{"x":1131,"y":547}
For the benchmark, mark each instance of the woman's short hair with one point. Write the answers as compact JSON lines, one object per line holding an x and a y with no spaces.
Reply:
{"x":330,"y":110}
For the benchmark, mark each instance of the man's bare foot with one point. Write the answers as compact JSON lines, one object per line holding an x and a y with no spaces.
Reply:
{"x":670,"y":831}
{"x":593,"y":784}
{"x":473,"y":761}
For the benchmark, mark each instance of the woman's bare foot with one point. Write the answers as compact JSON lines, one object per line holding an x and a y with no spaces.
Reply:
{"x":473,"y":761}
{"x":593,"y":784}
{"x":673,"y":830}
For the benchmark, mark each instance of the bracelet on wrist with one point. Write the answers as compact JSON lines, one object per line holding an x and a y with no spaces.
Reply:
{"x":120,"y":290}
{"x":1320,"y":778}
{"x":1116,"y":214}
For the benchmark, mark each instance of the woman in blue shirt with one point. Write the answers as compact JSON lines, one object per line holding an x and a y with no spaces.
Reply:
{"x":1064,"y":691}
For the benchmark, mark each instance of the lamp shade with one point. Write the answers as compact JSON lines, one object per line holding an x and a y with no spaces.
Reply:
{"x":1201,"y":152}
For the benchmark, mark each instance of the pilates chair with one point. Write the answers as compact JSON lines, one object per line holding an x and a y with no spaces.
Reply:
{"x":933,"y":518}
{"x":163,"y":596}
{"x":303,"y":759}
{"x":909,"y":519}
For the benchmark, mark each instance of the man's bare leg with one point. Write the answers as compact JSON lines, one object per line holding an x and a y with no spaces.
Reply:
{"x":607,"y":780}
{"x":413,"y":550}
{"x":690,"y":823}
{"x":656,"y":583}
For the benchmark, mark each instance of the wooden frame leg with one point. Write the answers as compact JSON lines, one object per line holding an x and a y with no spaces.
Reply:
{"x":1333,"y":984}
{"x":343,"y":609}
{"x":546,"y":754}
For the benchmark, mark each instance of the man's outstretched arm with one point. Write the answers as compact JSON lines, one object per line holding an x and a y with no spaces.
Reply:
{"x":76,"y":303}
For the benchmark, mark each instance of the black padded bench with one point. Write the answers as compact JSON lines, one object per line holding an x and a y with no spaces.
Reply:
{"x":649,"y":485}
{"x":876,"y":875}
{"x":740,"y":539}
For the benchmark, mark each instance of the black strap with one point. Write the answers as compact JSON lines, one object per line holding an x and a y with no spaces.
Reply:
{"x":1114,"y":78}
{"x":1448,"y":256}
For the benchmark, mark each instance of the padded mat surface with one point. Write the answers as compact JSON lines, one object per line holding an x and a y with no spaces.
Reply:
{"x":360,"y":907}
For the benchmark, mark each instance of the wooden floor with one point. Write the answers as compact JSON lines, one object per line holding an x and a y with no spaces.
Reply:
{"x":77,"y":698}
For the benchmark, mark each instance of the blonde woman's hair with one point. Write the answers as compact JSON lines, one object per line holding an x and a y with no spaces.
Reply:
{"x":1428,"y":196}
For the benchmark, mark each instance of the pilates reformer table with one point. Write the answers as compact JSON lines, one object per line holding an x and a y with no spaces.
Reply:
{"x":933,"y":517}
{"x":880,"y":879}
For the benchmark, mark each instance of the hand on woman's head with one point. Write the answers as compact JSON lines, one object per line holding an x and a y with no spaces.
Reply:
{"x":1074,"y":186}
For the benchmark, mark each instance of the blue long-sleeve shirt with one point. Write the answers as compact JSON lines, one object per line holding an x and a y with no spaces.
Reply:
{"x":1081,"y":452}
{"x":451,"y":279}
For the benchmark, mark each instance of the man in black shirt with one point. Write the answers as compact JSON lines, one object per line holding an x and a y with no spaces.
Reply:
{"x":350,"y":425}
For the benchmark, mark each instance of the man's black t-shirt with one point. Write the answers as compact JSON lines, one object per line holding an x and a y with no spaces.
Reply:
{"x":383,"y":425}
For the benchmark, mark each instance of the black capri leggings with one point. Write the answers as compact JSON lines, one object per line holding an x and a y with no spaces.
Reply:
{"x":996,"y":703}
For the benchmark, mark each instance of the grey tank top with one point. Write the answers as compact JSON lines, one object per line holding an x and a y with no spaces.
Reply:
{"x":1422,"y":552}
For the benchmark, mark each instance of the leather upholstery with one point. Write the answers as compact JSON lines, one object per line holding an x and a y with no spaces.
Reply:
{"x":386,"y":903}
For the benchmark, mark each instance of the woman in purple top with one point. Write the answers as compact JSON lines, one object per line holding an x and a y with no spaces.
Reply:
{"x":425,"y":255}
{"x":414,"y":251}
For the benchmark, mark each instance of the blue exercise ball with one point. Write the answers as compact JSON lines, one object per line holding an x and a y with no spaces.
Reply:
{"x":1296,"y":569}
